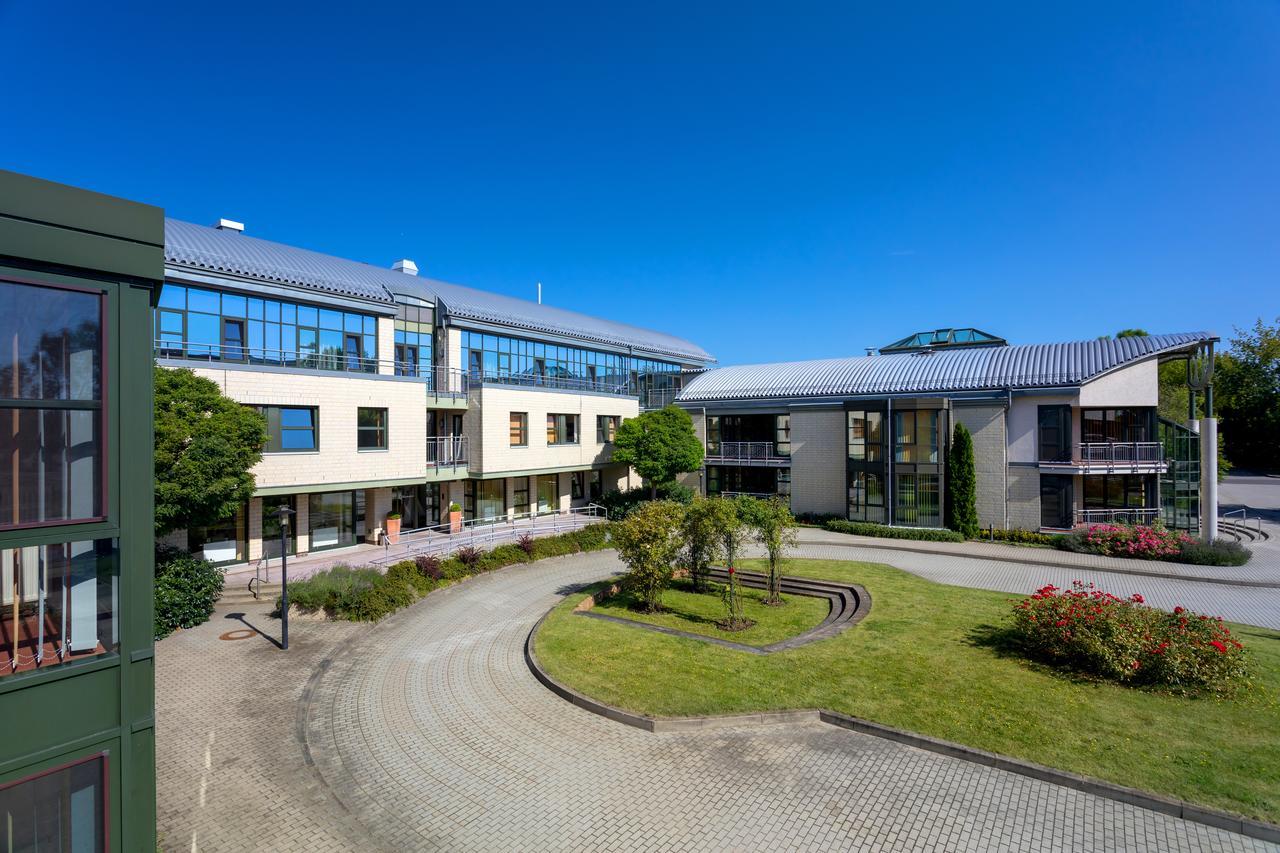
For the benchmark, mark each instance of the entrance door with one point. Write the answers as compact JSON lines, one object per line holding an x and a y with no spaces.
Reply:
{"x":1055,"y":501}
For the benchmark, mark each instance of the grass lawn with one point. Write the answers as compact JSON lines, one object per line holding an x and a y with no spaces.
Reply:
{"x":698,"y":613}
{"x":923,"y":660}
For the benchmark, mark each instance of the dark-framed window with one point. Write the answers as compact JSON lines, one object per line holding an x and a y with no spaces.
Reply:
{"x":597,"y":485}
{"x":713,"y":434}
{"x":866,"y":435}
{"x":915,"y":436}
{"x":290,"y":429}
{"x":271,"y":525}
{"x":414,"y":325}
{"x":51,"y":405}
{"x":917,"y":500}
{"x":577,"y":485}
{"x":1054,"y":427}
{"x":223,"y":542}
{"x":782,"y":435}
{"x":866,"y":496}
{"x":1056,"y":501}
{"x":63,"y":808}
{"x":607,"y":428}
{"x":519,"y":429}
{"x":1118,"y":491}
{"x":562,"y":429}
{"x":484,"y":499}
{"x":335,"y":519}
{"x":371,"y":429}
{"x":520,"y":495}
{"x":527,"y":362}
{"x":1117,"y":425}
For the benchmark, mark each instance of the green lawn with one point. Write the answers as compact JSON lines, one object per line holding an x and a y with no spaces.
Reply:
{"x":923,"y":660}
{"x":698,"y":613}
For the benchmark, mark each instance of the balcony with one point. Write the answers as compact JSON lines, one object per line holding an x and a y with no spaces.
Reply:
{"x":447,"y":451}
{"x":538,"y":382}
{"x":746,"y":453}
{"x":1137,"y":515}
{"x":1111,"y":457}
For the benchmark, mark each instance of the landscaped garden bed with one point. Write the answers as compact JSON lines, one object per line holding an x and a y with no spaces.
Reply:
{"x":938,"y":660}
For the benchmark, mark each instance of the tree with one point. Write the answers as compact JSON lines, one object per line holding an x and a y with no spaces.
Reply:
{"x":775,"y":528}
{"x":962,"y":484}
{"x":659,"y":445}
{"x":1247,"y":395}
{"x":205,"y":445}
{"x":649,"y":541}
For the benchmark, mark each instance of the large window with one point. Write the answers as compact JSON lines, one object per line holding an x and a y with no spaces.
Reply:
{"x":1054,"y":434}
{"x":371,"y":429}
{"x":915,"y":436}
{"x":607,"y":428}
{"x":782,"y":435}
{"x":916,"y":500}
{"x":1116,"y":491}
{"x":519,"y":429}
{"x":290,"y":429}
{"x":1117,"y":425}
{"x":498,"y":358}
{"x":64,"y":809}
{"x":413,"y":329}
{"x":58,"y":603}
{"x":520,"y":495}
{"x":50,"y":405}
{"x":562,"y":429}
{"x":866,"y":496}
{"x":484,"y":500}
{"x":271,"y":526}
{"x":209,"y":325}
{"x":577,"y":485}
{"x":596,"y":485}
{"x":866,"y":436}
{"x":226,"y":541}
{"x":548,"y":492}
{"x":335,"y":519}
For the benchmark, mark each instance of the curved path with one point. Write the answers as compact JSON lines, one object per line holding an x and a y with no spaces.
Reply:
{"x":433,"y":734}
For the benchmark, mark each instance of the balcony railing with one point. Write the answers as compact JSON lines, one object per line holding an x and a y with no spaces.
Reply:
{"x":537,"y":381}
{"x":1111,"y":455}
{"x":440,"y":380}
{"x":745,"y":453}
{"x":447,"y":450}
{"x":1139,"y":515}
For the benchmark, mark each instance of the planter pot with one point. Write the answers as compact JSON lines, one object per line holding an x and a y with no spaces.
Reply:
{"x":455,"y":522}
{"x":393,"y":530}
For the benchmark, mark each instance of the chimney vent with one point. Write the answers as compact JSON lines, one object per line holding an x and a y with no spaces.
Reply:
{"x":405,"y":266}
{"x":230,"y":225}
{"x":871,"y":350}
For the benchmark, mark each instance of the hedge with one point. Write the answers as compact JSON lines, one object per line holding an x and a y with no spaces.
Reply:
{"x":186,"y":588}
{"x":884,"y":531}
{"x":1030,"y":537}
{"x":367,"y":595}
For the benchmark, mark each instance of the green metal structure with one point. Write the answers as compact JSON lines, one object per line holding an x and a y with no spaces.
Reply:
{"x":1180,"y":481}
{"x":78,"y":274}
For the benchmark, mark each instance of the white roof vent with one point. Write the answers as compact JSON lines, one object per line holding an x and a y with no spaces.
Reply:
{"x":405,"y":266}
{"x":229,"y":225}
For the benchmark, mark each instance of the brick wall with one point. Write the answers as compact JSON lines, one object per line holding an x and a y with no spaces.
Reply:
{"x":1024,"y":497}
{"x":987,"y":424}
{"x":818,"y":461}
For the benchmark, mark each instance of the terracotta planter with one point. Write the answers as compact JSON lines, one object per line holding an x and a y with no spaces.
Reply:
{"x":393,"y":530}
{"x":455,"y":522}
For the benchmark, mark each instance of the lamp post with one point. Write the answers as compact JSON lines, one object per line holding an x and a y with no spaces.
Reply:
{"x":282,"y":513}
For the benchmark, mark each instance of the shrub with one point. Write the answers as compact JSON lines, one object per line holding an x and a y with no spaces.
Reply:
{"x":702,"y":528}
{"x":429,"y":566}
{"x":332,"y":590}
{"x":185,"y":591}
{"x":503,"y":555}
{"x":1220,"y":552}
{"x":406,"y":572}
{"x":816,"y":519}
{"x":619,"y":505}
{"x":866,"y":528}
{"x":1121,"y":639}
{"x":526,"y":544}
{"x":1031,"y":537}
{"x":774,"y":527}
{"x":469,"y":556}
{"x":649,"y":542}
{"x":1152,"y":542}
{"x":962,"y":506}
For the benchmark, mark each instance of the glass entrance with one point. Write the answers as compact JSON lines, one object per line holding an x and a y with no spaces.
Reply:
{"x":419,"y":506}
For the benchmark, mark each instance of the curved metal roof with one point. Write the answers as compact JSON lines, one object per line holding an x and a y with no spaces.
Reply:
{"x":961,"y":369}
{"x":211,"y":250}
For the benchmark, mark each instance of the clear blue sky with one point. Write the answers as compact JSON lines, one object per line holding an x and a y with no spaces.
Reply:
{"x":770,"y":185}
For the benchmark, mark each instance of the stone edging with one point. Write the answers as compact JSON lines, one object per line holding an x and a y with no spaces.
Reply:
{"x":877,"y":542}
{"x":1097,"y":787}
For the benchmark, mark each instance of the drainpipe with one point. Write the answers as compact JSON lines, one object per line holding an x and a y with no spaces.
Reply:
{"x":890,"y":493}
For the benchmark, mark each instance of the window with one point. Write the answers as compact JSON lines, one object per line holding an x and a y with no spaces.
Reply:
{"x":713,"y":435}
{"x":371,"y":429}
{"x":606,"y":428}
{"x":548,"y":492}
{"x":865,"y":436}
{"x":1115,"y":491}
{"x":225,"y":541}
{"x":497,"y":358}
{"x":1055,"y":434}
{"x":271,"y":526}
{"x":916,"y":500}
{"x":413,"y":329}
{"x":519,"y":429}
{"x":784,"y":482}
{"x":562,"y":429}
{"x":57,"y":604}
{"x":782,"y":435}
{"x":597,"y":485}
{"x":866,"y":496}
{"x":60,"y":809}
{"x":484,"y":500}
{"x":520,"y":495}
{"x":335,"y":519}
{"x":915,"y":436}
{"x":1116,"y":425}
{"x":50,"y":405}
{"x":290,"y":429}
{"x":577,"y":485}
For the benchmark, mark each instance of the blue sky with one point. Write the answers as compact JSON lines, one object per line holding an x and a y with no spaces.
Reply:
{"x":771,"y":185}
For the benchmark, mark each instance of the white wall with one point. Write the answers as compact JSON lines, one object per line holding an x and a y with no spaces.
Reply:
{"x":1024,"y":423}
{"x":1135,"y":385}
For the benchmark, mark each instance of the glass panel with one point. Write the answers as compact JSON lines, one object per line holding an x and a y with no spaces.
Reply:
{"x":224,"y":542}
{"x":295,"y":418}
{"x":62,"y":811}
{"x":330,"y":319}
{"x":234,"y":305}
{"x":205,"y":301}
{"x":548,"y":493}
{"x":271,"y":526}
{"x":52,"y":465}
{"x":308,"y":316}
{"x":49,"y":343}
{"x":173,"y":296}
{"x":331,"y":519}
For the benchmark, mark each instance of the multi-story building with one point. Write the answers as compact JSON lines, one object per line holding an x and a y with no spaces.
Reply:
{"x":78,"y":274}
{"x":1063,"y":433}
{"x":388,"y":392}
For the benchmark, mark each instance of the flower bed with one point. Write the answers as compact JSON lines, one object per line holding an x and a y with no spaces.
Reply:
{"x":1123,"y":640}
{"x":1152,"y":542}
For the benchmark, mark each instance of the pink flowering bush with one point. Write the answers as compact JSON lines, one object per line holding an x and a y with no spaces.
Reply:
{"x":1122,"y":639}
{"x":1122,"y":540}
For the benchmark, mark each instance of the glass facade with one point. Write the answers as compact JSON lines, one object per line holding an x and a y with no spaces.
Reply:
{"x":748,"y":480}
{"x":866,"y":435}
{"x":58,"y":603}
{"x":335,"y":519}
{"x":1117,"y":425}
{"x":1116,"y":491}
{"x":414,"y":327}
{"x":548,"y":492}
{"x":916,"y":502}
{"x":50,"y":405}
{"x":212,"y":325}
{"x":905,"y":488}
{"x":419,"y":506}
{"x":915,"y":436}
{"x":62,"y":810}
{"x":499,"y":358}
{"x":866,"y":496}
{"x":520,"y":495}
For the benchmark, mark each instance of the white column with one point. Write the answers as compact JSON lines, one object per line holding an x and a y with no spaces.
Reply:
{"x":1209,"y":478}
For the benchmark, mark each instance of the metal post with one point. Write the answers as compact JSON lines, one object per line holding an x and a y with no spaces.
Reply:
{"x":1209,"y":477}
{"x":283,"y":513}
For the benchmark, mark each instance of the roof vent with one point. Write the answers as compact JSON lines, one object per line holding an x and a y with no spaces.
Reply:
{"x":405,"y":266}
{"x":230,"y":225}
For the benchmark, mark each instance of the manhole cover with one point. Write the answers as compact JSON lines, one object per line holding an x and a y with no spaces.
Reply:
{"x":242,"y":634}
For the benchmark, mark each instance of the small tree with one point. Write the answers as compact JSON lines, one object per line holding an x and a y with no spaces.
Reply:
{"x":703,"y":529}
{"x":731,"y":595}
{"x":205,"y":445}
{"x":775,"y":528}
{"x":962,"y":484}
{"x":659,"y":445}
{"x":649,"y":542}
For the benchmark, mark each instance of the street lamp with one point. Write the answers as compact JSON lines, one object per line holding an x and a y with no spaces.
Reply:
{"x":282,"y":514}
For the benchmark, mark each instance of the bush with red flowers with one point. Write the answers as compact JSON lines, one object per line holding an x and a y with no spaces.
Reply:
{"x":1151,"y":542}
{"x":1088,"y":630}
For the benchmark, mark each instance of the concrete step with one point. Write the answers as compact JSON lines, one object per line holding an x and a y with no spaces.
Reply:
{"x":239,"y":593}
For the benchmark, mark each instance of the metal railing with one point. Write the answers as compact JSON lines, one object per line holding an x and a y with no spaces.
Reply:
{"x":447,"y":450}
{"x":760,"y":495}
{"x":1141,"y":515}
{"x":440,"y":380}
{"x":439,"y":539}
{"x":1113,"y":454}
{"x":746,"y":452}
{"x":536,"y":380}
{"x":658,"y":398}
{"x":1243,"y":512}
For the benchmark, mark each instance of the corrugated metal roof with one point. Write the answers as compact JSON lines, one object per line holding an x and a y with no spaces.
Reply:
{"x":209,"y":249}
{"x":963,"y":369}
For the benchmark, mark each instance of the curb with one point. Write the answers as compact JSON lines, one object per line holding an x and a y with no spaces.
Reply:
{"x":874,"y":542}
{"x":1097,"y":787}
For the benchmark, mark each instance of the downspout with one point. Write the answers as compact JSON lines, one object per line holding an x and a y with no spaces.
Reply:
{"x":890,"y":493}
{"x":1008,"y":407}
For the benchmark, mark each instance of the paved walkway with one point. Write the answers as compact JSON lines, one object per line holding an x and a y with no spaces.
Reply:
{"x":427,"y":731}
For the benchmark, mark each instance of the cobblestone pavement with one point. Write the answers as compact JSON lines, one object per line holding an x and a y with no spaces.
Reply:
{"x":431,"y":731}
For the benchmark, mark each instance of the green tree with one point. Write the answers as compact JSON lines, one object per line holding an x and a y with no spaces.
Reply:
{"x":1247,"y":395}
{"x":649,"y":542}
{"x":205,"y":445}
{"x":774,"y":527}
{"x":703,"y":529}
{"x":962,"y":484}
{"x":659,"y":445}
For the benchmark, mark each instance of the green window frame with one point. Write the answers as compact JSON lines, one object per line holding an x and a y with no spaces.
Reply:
{"x":607,"y":428}
{"x":371,"y":429}
{"x":291,"y":429}
{"x":562,"y":429}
